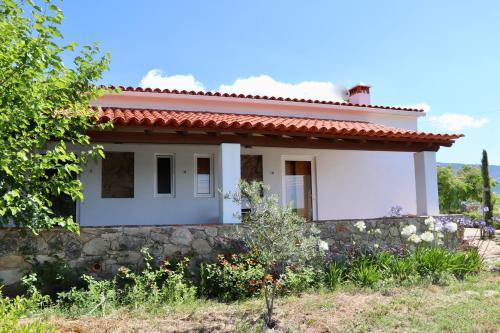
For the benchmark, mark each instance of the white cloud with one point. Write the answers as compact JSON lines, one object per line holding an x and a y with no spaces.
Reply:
{"x":421,"y":106}
{"x":156,"y":79}
{"x":456,"y":122}
{"x":264,"y":85}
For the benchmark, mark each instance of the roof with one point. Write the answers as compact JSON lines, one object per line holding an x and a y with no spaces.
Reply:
{"x":212,"y":121}
{"x":258,"y":97}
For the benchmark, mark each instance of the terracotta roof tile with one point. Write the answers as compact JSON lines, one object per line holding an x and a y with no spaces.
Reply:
{"x":278,"y":124}
{"x":271,"y":98}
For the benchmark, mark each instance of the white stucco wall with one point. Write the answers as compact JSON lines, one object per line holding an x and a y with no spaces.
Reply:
{"x":348,"y":184}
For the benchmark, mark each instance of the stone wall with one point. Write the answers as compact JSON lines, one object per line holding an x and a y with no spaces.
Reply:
{"x":102,"y":250}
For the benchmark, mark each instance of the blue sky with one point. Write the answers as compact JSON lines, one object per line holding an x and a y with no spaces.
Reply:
{"x":445,"y":54}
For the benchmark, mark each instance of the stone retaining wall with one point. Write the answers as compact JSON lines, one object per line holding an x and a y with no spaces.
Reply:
{"x":104,"y":249}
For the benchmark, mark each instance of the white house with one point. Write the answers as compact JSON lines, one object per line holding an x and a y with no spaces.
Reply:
{"x":170,"y":152}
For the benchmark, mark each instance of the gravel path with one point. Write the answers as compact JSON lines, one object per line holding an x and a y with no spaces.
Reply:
{"x":490,"y":249}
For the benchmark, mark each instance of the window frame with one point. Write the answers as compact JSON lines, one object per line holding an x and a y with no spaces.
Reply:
{"x":172,"y":175}
{"x":211,"y":175}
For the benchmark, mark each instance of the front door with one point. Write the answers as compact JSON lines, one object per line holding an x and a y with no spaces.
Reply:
{"x":298,"y":187}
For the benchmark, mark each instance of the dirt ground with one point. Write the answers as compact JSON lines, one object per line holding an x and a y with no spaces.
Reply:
{"x":309,"y":313}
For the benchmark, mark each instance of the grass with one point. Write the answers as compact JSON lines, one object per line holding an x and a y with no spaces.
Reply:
{"x":472,"y":305}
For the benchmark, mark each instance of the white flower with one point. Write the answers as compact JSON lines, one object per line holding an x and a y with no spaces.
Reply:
{"x":375,"y":246}
{"x":378,"y":231}
{"x":414,"y":238}
{"x":409,"y":230}
{"x":427,"y":236}
{"x":429,"y":221}
{"x":323,"y":245}
{"x":451,"y":227}
{"x":360,"y":225}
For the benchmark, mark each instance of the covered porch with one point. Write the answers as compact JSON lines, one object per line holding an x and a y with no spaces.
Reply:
{"x":327,"y":169}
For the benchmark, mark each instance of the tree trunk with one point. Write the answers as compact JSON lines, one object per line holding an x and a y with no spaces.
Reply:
{"x":269,"y":297}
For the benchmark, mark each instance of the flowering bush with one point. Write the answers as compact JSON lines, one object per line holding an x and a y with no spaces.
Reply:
{"x":437,"y":233}
{"x":240,"y":276}
{"x":232,"y":277}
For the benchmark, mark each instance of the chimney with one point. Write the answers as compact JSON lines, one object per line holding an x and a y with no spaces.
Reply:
{"x":359,"y":94}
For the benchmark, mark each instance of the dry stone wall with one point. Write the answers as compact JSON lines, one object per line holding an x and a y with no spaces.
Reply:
{"x":102,"y":250}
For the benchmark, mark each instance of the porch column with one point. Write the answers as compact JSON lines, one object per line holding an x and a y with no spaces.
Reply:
{"x":229,"y":177}
{"x":426,"y":183}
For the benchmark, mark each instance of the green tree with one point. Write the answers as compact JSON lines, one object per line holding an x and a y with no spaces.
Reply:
{"x":451,"y":190}
{"x":470,"y":177}
{"x":279,"y":236}
{"x":455,"y":188}
{"x":487,"y":184}
{"x":44,"y":105}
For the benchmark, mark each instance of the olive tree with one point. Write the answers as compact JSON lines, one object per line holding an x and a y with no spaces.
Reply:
{"x":278,"y":234}
{"x":44,"y":108}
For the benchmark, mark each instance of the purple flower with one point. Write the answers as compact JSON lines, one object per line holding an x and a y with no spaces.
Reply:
{"x":466,"y":222}
{"x":479,"y":223}
{"x":396,"y":211}
{"x":485,"y":209}
{"x":489,"y":229}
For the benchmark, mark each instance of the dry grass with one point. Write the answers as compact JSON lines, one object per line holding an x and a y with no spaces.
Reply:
{"x":471,"y":306}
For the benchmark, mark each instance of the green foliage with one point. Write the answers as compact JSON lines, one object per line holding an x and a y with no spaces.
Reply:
{"x":43,"y":106}
{"x":301,"y":279}
{"x":278,"y":234}
{"x":433,"y":264}
{"x":438,"y":264}
{"x":364,"y":272}
{"x":53,"y":277}
{"x":12,"y":310}
{"x":239,"y":276}
{"x":454,"y":189}
{"x":335,"y":274}
{"x":98,"y":298}
{"x":148,"y":290}
{"x":153,"y":287}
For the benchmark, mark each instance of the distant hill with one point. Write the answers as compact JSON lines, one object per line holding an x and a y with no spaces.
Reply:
{"x":494,"y":172}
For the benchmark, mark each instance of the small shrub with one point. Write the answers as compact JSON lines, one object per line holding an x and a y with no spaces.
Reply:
{"x":433,"y":263}
{"x":335,"y":274}
{"x":53,"y":277}
{"x":149,"y":289}
{"x":297,"y":280}
{"x":364,"y":272}
{"x":152,"y":288}
{"x":98,"y":298}
{"x":403,"y":269}
{"x":465,"y":263}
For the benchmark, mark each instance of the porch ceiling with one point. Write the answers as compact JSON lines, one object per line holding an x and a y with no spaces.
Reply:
{"x":193,"y":127}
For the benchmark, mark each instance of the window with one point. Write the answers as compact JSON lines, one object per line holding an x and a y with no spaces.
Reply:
{"x":164,"y":175}
{"x":251,"y":168}
{"x":117,"y":175}
{"x":203,"y":176}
